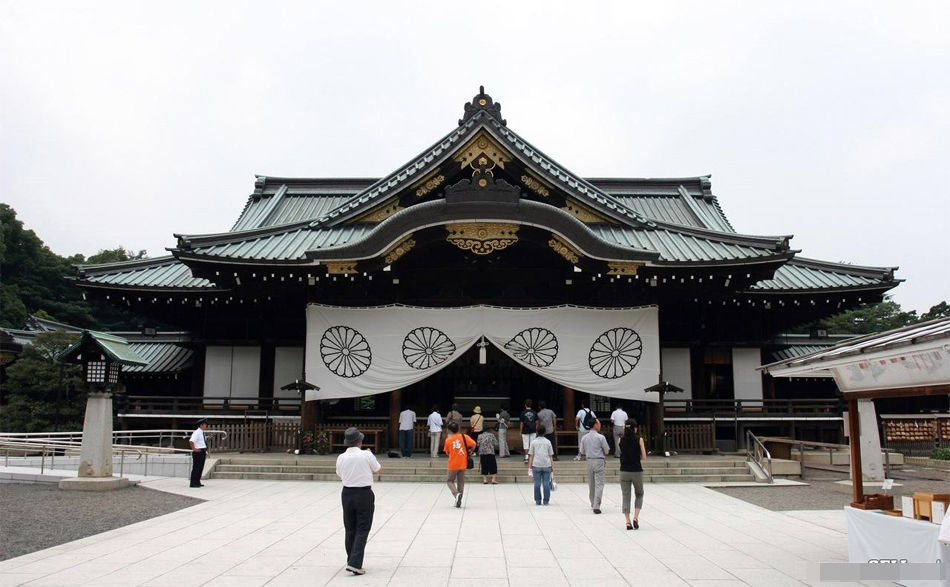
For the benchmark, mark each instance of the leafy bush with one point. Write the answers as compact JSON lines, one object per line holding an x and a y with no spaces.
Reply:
{"x":322,"y":442}
{"x":941,"y":454}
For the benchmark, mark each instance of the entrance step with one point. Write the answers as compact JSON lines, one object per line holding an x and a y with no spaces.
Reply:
{"x":420,"y":469}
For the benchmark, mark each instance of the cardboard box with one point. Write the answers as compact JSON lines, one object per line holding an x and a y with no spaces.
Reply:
{"x":923,"y":504}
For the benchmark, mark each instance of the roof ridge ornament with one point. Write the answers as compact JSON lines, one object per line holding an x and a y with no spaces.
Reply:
{"x":480,"y":102}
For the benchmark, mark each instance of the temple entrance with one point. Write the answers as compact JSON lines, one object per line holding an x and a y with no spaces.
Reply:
{"x":499,"y":382}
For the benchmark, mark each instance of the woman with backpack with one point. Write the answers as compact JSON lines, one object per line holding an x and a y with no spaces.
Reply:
{"x":632,"y":453}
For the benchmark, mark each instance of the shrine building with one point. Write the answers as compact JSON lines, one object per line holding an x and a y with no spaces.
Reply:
{"x":482,"y":272}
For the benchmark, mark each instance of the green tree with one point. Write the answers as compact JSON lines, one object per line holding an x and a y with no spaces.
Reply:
{"x":941,"y":310}
{"x":33,"y":278}
{"x":870,"y":318}
{"x":39,"y":394}
{"x":115,"y":255}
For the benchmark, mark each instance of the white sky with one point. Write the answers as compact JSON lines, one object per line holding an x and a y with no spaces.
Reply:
{"x":122,"y":123}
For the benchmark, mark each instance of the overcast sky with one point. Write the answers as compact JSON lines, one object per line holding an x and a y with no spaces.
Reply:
{"x":122,"y":123}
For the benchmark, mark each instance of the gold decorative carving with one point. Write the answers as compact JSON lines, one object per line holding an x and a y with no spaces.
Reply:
{"x":482,"y":144}
{"x":622,"y":268}
{"x":341,"y":267}
{"x":399,"y":250}
{"x":429,"y":184}
{"x":585,"y":214}
{"x":535,"y":186}
{"x":382,"y":213}
{"x":565,"y":250}
{"x":482,"y":238}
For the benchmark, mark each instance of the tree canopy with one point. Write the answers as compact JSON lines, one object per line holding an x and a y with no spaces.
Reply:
{"x":35,"y":281}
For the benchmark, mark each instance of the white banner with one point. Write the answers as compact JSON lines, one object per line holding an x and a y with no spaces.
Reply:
{"x":353,"y":352}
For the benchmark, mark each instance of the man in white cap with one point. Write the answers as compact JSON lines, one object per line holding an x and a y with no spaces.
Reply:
{"x":356,"y":467}
{"x":199,"y":451}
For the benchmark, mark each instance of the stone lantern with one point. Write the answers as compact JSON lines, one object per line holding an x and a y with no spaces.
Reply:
{"x":102,"y":357}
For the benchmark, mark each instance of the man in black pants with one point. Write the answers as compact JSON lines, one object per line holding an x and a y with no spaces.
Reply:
{"x":356,"y":467}
{"x":199,"y":451}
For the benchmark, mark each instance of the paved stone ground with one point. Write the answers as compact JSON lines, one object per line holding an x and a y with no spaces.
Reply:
{"x":824,"y":492}
{"x":38,"y":516}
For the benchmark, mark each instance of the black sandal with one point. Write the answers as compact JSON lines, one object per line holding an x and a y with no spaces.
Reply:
{"x":636,"y":525}
{"x":629,"y":526}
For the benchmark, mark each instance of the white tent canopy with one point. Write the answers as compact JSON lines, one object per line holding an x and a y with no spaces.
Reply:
{"x":353,"y":352}
{"x":908,"y":358}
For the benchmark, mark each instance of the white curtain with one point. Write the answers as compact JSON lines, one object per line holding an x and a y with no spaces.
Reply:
{"x":353,"y":352}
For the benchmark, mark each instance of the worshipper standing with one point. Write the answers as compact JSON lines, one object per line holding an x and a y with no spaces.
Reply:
{"x":487,"y":445}
{"x":457,"y":447}
{"x":476,"y":423}
{"x":435,"y":431}
{"x":355,"y":467}
{"x":407,"y":421}
{"x":595,"y":449}
{"x":618,"y":419}
{"x":529,"y":426}
{"x":547,"y":420}
{"x":582,"y":420}
{"x":631,"y":471}
{"x":199,"y":451}
{"x":454,"y":416}
{"x":504,"y":418}
{"x":541,"y":466}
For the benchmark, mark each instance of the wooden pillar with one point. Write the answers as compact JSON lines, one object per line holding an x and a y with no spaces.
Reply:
{"x":395,"y":406}
{"x":854,"y":431}
{"x":660,"y":425}
{"x":308,"y":413}
{"x":569,"y":408}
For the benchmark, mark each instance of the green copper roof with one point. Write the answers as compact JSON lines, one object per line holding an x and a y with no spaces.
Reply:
{"x":114,"y":347}
{"x":801,"y":274}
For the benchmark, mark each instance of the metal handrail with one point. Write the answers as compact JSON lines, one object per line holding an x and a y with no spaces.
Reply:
{"x":755,"y":451}
{"x":70,"y":443}
{"x":65,"y":448}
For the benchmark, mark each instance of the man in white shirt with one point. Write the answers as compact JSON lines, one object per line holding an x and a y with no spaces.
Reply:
{"x":618,"y":419}
{"x":435,"y":431}
{"x":407,"y":420}
{"x":199,"y":451}
{"x":355,"y":468}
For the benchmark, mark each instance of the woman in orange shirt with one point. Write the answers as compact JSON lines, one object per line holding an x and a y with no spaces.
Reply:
{"x":457,"y":447}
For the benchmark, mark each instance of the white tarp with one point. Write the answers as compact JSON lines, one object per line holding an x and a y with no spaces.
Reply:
{"x":353,"y":352}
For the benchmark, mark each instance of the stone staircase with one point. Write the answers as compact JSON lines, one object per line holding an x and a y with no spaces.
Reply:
{"x":676,"y":469}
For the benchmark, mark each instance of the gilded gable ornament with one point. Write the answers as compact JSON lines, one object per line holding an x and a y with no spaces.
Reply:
{"x":621,"y":268}
{"x":482,"y":145}
{"x":340,"y":267}
{"x":399,"y":250}
{"x":535,"y":186}
{"x":482,"y":238}
{"x":383,"y":212}
{"x":585,"y":214}
{"x":429,"y":184}
{"x":564,"y":250}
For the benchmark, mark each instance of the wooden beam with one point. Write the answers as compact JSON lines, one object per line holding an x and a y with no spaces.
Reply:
{"x":854,"y":431}
{"x":900,"y":392}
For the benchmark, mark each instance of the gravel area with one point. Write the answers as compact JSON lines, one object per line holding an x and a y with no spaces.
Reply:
{"x":823,"y":491}
{"x":36,"y":516}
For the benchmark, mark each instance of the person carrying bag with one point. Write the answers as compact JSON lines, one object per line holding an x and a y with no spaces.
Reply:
{"x":459,"y":448}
